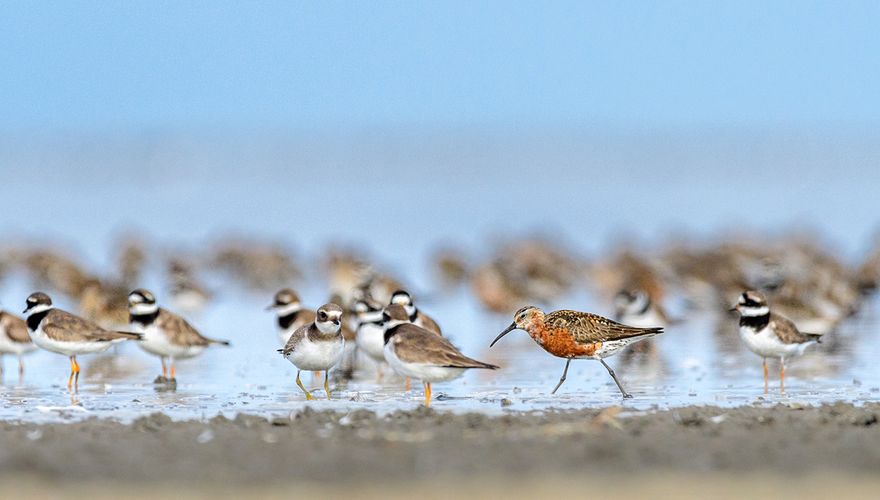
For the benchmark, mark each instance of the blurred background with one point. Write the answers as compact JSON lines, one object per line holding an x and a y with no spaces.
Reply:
{"x":400,"y":124}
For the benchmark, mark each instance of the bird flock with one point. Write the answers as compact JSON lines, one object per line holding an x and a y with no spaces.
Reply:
{"x":781,"y":295}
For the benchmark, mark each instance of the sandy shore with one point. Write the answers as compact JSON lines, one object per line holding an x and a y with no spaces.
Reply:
{"x":794,"y":451}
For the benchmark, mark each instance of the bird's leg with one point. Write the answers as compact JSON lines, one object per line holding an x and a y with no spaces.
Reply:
{"x":72,"y":370}
{"x":76,"y":376}
{"x":309,"y":396}
{"x":20,"y":367}
{"x":427,"y":394}
{"x":782,"y":375}
{"x":766,"y":376}
{"x":1,"y":363}
{"x":564,"y":373}
{"x":164,"y":369}
{"x":173,"y":372}
{"x":626,"y":395}
{"x":407,"y":387}
{"x":326,"y":383}
{"x":379,"y":372}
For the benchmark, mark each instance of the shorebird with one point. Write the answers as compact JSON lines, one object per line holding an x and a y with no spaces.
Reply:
{"x":318,"y":346}
{"x":369,"y":333}
{"x":770,"y":335}
{"x":165,"y":334}
{"x":577,"y":335}
{"x":14,"y":339}
{"x":290,"y":314}
{"x":185,"y":293}
{"x":64,"y":333}
{"x":416,"y":317}
{"x":419,"y":353}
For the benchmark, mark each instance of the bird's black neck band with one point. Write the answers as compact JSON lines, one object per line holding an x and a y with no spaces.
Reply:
{"x":287,"y":320}
{"x":756,"y":322}
{"x":390,"y":333}
{"x":33,"y":321}
{"x":144,"y":318}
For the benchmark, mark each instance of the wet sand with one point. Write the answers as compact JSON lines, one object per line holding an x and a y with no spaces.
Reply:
{"x":786,"y":449}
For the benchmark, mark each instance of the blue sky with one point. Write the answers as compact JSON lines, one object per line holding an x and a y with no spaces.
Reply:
{"x":319,"y":65}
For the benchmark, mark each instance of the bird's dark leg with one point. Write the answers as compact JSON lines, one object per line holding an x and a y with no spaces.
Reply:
{"x":564,"y":373}
{"x":626,"y":395}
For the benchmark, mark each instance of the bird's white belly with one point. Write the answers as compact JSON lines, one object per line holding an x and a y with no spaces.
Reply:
{"x":317,"y":356}
{"x":8,"y":346}
{"x":40,"y":338}
{"x":156,"y":342}
{"x":371,"y":339}
{"x":423,"y":372}
{"x":766,"y":344}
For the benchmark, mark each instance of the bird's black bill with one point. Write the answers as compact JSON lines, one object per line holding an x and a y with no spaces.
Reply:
{"x":507,"y":330}
{"x":270,"y":307}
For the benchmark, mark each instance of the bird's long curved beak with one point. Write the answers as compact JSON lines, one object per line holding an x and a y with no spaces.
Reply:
{"x":507,"y":330}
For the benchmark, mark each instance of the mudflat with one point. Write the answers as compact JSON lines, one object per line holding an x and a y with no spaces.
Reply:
{"x":797,"y":450}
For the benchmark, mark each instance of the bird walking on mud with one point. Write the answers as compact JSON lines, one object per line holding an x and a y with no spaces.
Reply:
{"x":65,"y":333}
{"x":419,"y":353}
{"x":770,"y":335}
{"x":318,"y":346}
{"x":577,"y":335}
{"x":165,"y":334}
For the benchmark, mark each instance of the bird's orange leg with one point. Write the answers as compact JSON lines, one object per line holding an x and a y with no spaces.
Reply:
{"x":164,"y":369}
{"x":72,"y":371}
{"x":76,"y":374}
{"x":766,"y":376}
{"x":782,"y":375}
{"x":173,"y":373}
{"x":20,"y":367}
{"x":427,"y":394}
{"x":407,"y":387}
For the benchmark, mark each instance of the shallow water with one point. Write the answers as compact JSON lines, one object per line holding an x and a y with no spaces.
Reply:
{"x":693,"y":364}
{"x":400,"y":198}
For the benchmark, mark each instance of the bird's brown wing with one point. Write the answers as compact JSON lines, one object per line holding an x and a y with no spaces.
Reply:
{"x":179,"y":331}
{"x":16,"y":328}
{"x":429,"y":323}
{"x":413,"y":344}
{"x":295,"y":338}
{"x":587,"y":328}
{"x":787,"y":332}
{"x":65,"y":327}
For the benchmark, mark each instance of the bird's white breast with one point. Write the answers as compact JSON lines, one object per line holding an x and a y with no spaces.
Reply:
{"x":766,"y":344}
{"x":317,"y":355}
{"x":370,"y":338}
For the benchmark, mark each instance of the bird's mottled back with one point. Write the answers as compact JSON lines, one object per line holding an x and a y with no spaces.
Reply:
{"x":587,"y":328}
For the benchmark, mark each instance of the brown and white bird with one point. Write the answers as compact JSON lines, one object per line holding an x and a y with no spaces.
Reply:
{"x":770,"y":335}
{"x":64,"y":333}
{"x":416,"y":317}
{"x":415,"y":352}
{"x":577,"y":335}
{"x":318,"y":346}
{"x":14,"y":339}
{"x":290,"y":314}
{"x":165,"y":334}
